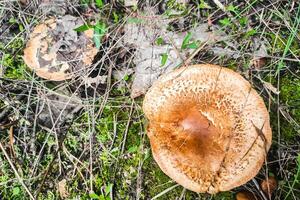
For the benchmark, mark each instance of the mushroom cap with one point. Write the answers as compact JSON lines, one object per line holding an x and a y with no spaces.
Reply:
{"x":55,"y":51}
{"x":269,"y":185}
{"x":245,"y":195}
{"x":204,"y":122}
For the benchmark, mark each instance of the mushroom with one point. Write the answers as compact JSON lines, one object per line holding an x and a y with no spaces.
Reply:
{"x":269,"y":185}
{"x":55,"y":51}
{"x":209,"y":129}
{"x":245,"y":195}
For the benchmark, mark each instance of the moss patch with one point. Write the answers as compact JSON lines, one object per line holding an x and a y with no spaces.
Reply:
{"x":290,"y":98}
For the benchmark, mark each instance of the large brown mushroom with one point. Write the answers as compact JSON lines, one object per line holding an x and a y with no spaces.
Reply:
{"x":209,"y":129}
{"x":55,"y":51}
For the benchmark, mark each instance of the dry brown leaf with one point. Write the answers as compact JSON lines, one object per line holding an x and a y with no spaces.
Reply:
{"x":62,"y":189}
{"x":55,"y":107}
{"x":57,"y":7}
{"x":271,"y":88}
{"x":258,"y":63}
{"x":260,"y":54}
{"x":148,"y":54}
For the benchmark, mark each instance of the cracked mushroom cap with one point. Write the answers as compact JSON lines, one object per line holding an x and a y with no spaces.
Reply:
{"x":209,"y":130}
{"x":56,"y":52}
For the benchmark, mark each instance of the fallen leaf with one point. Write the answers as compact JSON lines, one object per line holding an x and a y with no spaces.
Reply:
{"x":258,"y":63}
{"x":175,"y":48}
{"x":62,"y":189}
{"x":57,"y":7}
{"x":271,"y":88}
{"x":260,"y":54}
{"x":55,"y":107}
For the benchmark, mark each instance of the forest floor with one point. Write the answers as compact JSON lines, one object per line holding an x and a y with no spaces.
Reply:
{"x":85,"y":137}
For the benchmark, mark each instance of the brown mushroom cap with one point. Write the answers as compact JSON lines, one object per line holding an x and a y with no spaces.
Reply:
{"x":56,"y":52}
{"x":203,"y":123}
{"x":245,"y":195}
{"x":269,"y":185}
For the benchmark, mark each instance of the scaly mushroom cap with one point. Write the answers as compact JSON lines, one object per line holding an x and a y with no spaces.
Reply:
{"x":204,"y":127}
{"x":56,"y":52}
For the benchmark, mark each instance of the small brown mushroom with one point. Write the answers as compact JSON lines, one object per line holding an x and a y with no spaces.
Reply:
{"x":55,"y":51}
{"x":269,"y":185}
{"x":209,"y":129}
{"x":245,"y":195}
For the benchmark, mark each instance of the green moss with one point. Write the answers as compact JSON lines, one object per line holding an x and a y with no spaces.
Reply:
{"x":156,"y":181}
{"x":232,"y":65}
{"x":279,"y":42}
{"x":289,"y":101}
{"x":290,"y":97}
{"x":12,"y":61}
{"x":14,"y":66}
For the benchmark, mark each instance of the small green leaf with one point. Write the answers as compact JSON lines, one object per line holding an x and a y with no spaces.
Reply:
{"x":243,"y":21}
{"x":233,"y":9}
{"x":164,"y":58}
{"x":116,"y":17}
{"x":99,"y":3}
{"x":132,"y":149}
{"x":108,"y":189}
{"x":83,"y":28}
{"x":251,"y":33}
{"x":97,"y":39}
{"x":102,"y":197}
{"x":16,"y":191}
{"x":21,"y":28}
{"x":203,"y":4}
{"x":94,"y":196}
{"x":192,"y":45}
{"x":186,"y":40}
{"x":12,"y":20}
{"x":159,"y":41}
{"x":99,"y":31}
{"x":126,"y":77}
{"x":225,"y":21}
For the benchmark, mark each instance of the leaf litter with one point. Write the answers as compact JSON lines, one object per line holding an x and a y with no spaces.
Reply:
{"x":55,"y":107}
{"x":159,"y":50}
